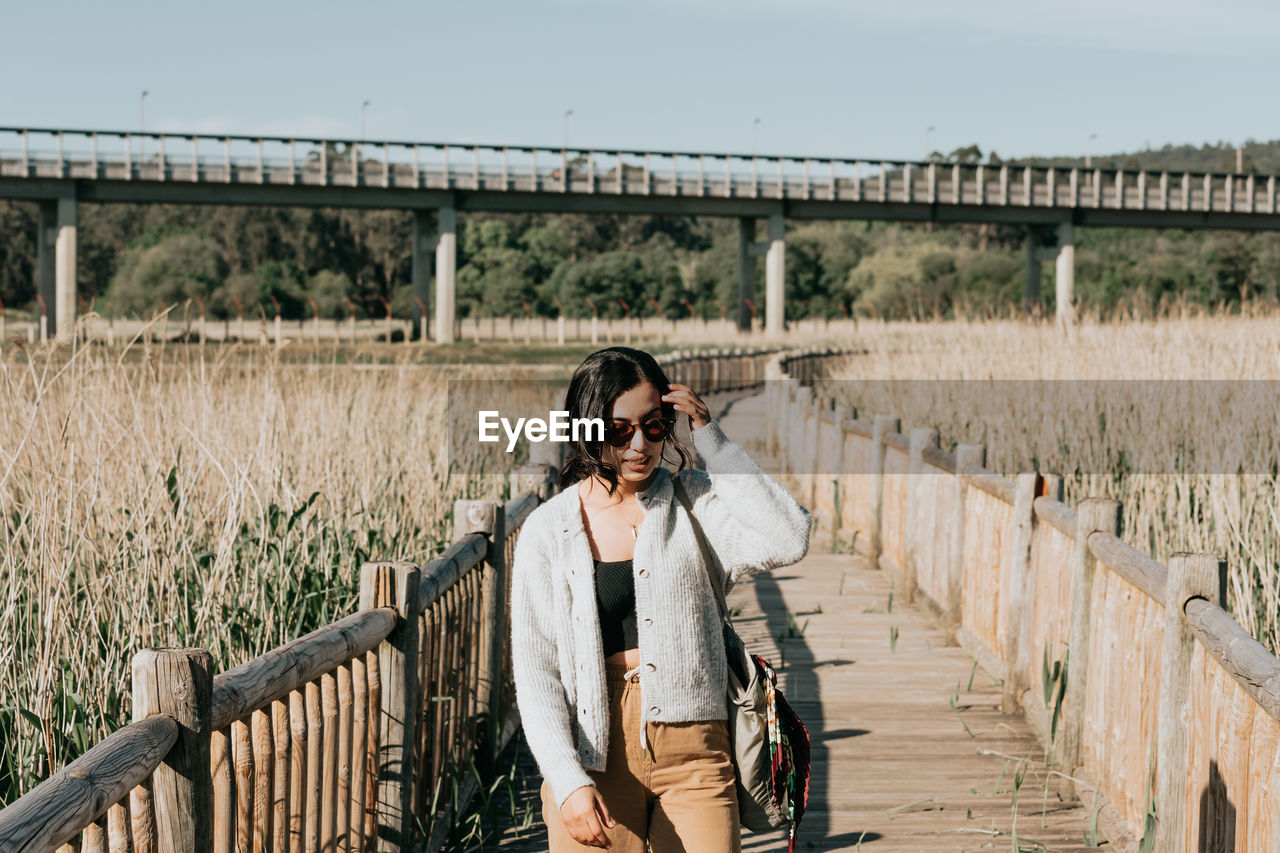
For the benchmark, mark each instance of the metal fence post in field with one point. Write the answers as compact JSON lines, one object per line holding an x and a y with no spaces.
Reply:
{"x":1095,"y":515}
{"x":1190,"y":576}
{"x":179,"y":683}
{"x":395,"y":585}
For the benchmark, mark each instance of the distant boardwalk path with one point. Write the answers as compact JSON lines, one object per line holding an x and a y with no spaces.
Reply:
{"x":910,"y":749}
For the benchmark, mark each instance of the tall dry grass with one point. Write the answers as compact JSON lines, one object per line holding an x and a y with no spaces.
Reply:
{"x":1196,"y":465}
{"x":183,"y":499}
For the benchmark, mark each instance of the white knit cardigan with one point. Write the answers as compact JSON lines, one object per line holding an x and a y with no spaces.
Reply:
{"x":751,"y":523}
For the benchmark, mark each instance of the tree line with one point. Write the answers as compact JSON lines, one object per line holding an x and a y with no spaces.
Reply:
{"x":299,"y":262}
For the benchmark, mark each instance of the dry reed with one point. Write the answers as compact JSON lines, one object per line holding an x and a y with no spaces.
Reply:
{"x":1195,"y":464}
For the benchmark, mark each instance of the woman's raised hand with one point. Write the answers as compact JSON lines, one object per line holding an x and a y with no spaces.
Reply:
{"x":685,"y":400}
{"x":585,"y":815}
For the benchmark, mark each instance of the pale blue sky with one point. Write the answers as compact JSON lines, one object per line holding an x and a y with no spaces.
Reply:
{"x":825,"y":77}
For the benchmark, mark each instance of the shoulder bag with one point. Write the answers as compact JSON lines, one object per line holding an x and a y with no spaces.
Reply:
{"x":770,"y":745}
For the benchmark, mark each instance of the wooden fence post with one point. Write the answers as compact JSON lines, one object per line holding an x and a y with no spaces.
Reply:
{"x":1190,"y":576}
{"x":921,"y":437}
{"x":833,"y":466}
{"x":1025,"y":488}
{"x":179,"y":683}
{"x":811,"y":446}
{"x":487,"y":517}
{"x":1094,"y":514}
{"x":966,"y":455}
{"x":396,"y":585}
{"x":881,"y":425}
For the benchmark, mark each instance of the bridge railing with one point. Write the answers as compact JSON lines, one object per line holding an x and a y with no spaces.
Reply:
{"x":1136,"y":678}
{"x":349,"y":738}
{"x":171,"y":157}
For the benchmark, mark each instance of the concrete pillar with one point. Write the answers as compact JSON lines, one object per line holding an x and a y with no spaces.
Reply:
{"x":775,"y":268}
{"x":46,"y":242}
{"x":1032,"y":295}
{"x":421,"y":270}
{"x":1065,"y":282}
{"x":446,"y":266}
{"x":65,"y":270}
{"x":746,"y":271}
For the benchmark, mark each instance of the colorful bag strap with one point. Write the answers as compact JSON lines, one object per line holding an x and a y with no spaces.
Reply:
{"x":717,"y":584}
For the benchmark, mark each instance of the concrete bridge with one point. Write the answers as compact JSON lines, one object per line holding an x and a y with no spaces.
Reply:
{"x":60,"y":167}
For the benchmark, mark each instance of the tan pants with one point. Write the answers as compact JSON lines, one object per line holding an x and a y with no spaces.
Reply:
{"x":677,"y":791}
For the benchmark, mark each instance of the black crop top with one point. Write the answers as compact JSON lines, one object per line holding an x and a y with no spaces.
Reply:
{"x":616,"y":600}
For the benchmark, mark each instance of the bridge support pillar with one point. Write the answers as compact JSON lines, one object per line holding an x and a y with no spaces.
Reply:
{"x":746,"y":271}
{"x":775,"y":276}
{"x":1065,"y":279}
{"x":64,"y":262}
{"x":446,"y":267}
{"x":422,"y":240}
{"x":46,"y":270}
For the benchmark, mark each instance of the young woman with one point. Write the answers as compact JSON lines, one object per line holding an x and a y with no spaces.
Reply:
{"x":616,"y":643}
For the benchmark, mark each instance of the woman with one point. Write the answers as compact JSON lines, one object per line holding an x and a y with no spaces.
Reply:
{"x":616,"y":643}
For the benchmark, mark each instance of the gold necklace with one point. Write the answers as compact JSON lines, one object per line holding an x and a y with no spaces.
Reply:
{"x":635,"y":526}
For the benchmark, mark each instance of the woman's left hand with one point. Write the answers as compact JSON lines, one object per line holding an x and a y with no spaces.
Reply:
{"x":685,"y":400}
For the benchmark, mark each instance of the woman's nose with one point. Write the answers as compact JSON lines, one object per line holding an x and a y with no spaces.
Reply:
{"x":638,"y":441}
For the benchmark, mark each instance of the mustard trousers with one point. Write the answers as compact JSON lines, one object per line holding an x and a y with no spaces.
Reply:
{"x":675,"y":791}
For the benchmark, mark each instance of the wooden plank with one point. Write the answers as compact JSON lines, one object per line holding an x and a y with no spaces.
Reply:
{"x":239,"y":691}
{"x":58,"y":808}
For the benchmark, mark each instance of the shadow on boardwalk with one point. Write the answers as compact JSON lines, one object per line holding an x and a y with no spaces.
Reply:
{"x":910,"y":750}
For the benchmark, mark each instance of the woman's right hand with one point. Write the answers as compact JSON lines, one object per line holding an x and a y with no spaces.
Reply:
{"x":585,"y":815}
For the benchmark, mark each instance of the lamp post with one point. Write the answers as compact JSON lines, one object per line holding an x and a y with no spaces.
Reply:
{"x":142,"y":123}
{"x":363,"y":106}
{"x":1088,"y":147}
{"x":928,"y":130}
{"x":567,"y":113}
{"x":755,"y":122}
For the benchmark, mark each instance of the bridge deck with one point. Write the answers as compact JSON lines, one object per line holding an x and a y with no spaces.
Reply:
{"x":910,"y":749}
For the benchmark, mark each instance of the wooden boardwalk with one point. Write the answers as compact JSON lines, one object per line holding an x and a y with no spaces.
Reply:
{"x":910,"y":749}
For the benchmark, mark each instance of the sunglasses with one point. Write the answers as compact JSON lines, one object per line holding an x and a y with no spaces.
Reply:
{"x":619,"y":433}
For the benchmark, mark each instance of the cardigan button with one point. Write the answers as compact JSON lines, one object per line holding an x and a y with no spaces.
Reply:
{"x":644,"y":573}
{"x":651,"y":667}
{"x":654,"y":709}
{"x":648,"y":621}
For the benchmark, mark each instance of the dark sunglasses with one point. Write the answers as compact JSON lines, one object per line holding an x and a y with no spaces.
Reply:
{"x":618,"y":433}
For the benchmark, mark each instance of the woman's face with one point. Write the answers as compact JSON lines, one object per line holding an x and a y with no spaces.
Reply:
{"x":638,"y":460}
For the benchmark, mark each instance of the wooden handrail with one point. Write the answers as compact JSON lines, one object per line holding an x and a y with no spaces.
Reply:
{"x":1128,"y":562}
{"x":444,"y":571}
{"x":61,"y":806}
{"x":989,"y":482}
{"x":239,"y":691}
{"x":1056,"y":514}
{"x":1247,"y":660}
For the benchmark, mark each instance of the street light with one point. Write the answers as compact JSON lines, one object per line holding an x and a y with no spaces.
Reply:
{"x":363,"y":106}
{"x":755,"y":122}
{"x":928,"y":130}
{"x":1088,"y":145}
{"x":142,"y":122}
{"x":567,"y":113}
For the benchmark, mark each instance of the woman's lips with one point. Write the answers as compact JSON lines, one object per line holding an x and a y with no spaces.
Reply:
{"x":636,"y":464}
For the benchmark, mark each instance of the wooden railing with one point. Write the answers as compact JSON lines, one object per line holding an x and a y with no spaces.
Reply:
{"x":347,"y":739}
{"x":1130,"y":670}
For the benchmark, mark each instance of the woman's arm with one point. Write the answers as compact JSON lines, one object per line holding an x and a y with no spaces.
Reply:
{"x":750,"y":520}
{"x":540,"y":694}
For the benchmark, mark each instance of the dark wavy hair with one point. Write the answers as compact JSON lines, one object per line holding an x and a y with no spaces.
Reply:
{"x":604,"y":376}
